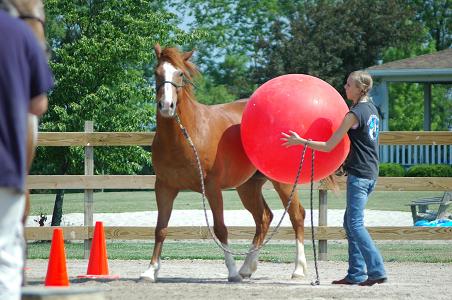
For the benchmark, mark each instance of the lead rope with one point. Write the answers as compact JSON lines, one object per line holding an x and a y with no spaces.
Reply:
{"x":214,"y":237}
{"x":317,"y":280}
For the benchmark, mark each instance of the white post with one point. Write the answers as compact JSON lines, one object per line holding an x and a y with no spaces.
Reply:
{"x":89,"y":195}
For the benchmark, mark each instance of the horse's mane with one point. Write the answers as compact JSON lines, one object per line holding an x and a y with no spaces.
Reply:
{"x":176,"y":58}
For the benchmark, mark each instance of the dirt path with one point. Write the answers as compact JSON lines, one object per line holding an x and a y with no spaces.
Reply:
{"x":188,"y":279}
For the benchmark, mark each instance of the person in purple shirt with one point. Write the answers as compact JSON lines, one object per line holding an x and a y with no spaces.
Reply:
{"x":25,"y":79}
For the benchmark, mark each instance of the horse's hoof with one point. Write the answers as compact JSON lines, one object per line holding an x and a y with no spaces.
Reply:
{"x":236,"y":278}
{"x":146,"y":279}
{"x":246,"y":271}
{"x":245,"y":276}
{"x":149,"y":275}
{"x":298,"y":275}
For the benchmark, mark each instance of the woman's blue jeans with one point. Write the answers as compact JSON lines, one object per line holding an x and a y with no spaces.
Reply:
{"x":364,"y":259}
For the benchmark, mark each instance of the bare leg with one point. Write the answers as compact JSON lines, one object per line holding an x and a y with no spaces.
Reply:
{"x":32,"y":140}
{"x":297,"y":216}
{"x":165,"y":198}
{"x":251,"y":196}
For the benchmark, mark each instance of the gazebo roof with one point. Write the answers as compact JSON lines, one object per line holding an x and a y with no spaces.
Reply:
{"x":433,"y":67}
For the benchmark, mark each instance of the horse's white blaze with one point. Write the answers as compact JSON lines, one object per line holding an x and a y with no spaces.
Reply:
{"x":250,"y":264}
{"x":301,"y":267}
{"x":151,"y":273}
{"x":230,"y":264}
{"x":170,"y":70}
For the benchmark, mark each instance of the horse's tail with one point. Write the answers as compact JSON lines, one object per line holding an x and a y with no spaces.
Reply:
{"x":331,"y":183}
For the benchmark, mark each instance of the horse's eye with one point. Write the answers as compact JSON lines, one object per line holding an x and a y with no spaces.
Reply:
{"x":181,"y":73}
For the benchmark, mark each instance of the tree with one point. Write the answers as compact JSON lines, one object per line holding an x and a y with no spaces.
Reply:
{"x":235,"y":26}
{"x":101,"y":56}
{"x":436,"y":17}
{"x":329,"y":39}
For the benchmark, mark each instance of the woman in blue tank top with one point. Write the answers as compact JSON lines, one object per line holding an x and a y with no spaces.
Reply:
{"x":361,"y":124}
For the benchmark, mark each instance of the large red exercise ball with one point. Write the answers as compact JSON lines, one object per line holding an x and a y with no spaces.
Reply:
{"x":302,"y":103}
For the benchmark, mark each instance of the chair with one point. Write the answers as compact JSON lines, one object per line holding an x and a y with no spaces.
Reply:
{"x":420,"y":211}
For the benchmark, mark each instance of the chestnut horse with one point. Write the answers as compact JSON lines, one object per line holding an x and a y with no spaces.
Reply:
{"x":32,"y":12}
{"x":215,"y":132}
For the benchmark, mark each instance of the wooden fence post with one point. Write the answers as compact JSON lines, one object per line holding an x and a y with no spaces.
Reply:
{"x":88,"y":203}
{"x":323,"y":221}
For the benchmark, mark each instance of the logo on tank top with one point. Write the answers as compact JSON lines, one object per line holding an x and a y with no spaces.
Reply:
{"x":372,"y":123}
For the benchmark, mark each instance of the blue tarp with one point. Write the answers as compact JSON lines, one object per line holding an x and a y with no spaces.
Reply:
{"x":436,"y":223}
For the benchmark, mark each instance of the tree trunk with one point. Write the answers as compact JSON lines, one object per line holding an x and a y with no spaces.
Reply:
{"x":58,"y":208}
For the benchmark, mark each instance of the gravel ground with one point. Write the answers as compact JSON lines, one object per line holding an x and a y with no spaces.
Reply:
{"x":201,"y":279}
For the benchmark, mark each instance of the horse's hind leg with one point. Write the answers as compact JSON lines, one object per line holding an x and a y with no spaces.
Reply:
{"x":165,"y":198}
{"x":297,"y":216}
{"x":251,"y":195}
{"x":215,"y":198}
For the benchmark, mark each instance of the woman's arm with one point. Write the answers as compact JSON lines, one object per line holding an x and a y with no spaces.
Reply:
{"x":293,"y":138}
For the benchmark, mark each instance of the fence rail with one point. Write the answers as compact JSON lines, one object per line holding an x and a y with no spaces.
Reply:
{"x":56,"y":139}
{"x":89,"y":182}
{"x":238,"y":233}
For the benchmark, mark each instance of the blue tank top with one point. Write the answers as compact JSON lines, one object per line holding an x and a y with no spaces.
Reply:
{"x":362,"y":161}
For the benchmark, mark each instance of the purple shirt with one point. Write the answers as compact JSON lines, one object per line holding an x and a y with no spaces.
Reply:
{"x":24,"y":74}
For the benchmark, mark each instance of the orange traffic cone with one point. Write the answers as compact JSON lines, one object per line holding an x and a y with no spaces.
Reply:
{"x":98,"y":264}
{"x":56,"y":270}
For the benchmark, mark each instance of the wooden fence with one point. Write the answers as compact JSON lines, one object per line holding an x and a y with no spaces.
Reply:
{"x":323,"y":232}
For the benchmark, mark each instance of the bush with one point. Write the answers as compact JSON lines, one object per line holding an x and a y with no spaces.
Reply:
{"x":429,"y":171}
{"x":391,"y":170}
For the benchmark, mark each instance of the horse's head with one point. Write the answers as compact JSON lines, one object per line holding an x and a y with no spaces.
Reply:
{"x":32,"y":12}
{"x":173,"y":79}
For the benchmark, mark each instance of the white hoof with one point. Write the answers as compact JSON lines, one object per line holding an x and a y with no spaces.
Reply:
{"x":247,"y":270}
{"x":298,"y":275}
{"x":150,"y":274}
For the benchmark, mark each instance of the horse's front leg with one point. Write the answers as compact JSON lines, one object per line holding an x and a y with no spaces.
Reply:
{"x":165,"y":198}
{"x":297,"y":215}
{"x":251,"y":196}
{"x":215,"y":198}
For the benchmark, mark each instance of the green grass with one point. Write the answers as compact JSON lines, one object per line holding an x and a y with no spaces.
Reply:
{"x":114,"y":202}
{"x":276,"y":252}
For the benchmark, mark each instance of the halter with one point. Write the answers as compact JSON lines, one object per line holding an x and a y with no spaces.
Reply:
{"x":185,"y":80}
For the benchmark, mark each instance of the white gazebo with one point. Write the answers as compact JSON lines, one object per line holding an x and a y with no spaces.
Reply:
{"x":428,"y":69}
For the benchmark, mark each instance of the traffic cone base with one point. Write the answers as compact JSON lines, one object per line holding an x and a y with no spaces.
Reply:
{"x":56,"y":269}
{"x":98,"y":264}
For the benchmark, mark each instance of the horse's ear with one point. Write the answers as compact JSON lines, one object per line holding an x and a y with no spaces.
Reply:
{"x":158,"y":50}
{"x":187,"y":55}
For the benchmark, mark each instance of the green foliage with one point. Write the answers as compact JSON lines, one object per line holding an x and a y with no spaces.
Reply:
{"x":229,"y":52}
{"x":208,"y":92}
{"x":429,"y":171}
{"x":329,"y":39}
{"x":391,"y":170}
{"x":436,"y":17}
{"x":101,"y":59}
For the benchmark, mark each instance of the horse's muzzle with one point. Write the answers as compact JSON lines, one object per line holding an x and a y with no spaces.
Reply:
{"x":167,"y":111}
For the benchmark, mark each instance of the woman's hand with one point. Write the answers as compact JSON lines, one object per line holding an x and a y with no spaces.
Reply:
{"x":292,"y":139}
